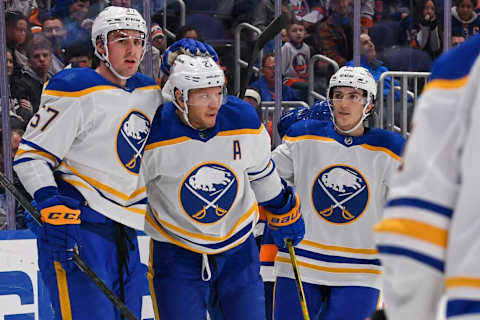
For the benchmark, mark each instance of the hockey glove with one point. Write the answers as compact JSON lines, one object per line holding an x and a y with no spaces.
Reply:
{"x":189,"y":47}
{"x":60,"y":230}
{"x":286,"y":222}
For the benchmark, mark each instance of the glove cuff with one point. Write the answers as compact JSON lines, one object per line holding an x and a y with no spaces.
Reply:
{"x":285,"y":219}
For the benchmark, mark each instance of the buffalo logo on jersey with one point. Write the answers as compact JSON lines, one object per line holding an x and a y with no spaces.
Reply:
{"x":340,"y":194}
{"x":208,"y":192}
{"x":131,"y":139}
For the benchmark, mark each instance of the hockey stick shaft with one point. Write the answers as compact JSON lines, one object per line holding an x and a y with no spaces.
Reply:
{"x":270,"y":31}
{"x":76,"y":258}
{"x":298,"y":280}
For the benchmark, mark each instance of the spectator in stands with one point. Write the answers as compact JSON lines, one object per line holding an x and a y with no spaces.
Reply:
{"x":20,"y":108}
{"x":158,"y":38}
{"x":266,"y":82}
{"x":78,"y":56}
{"x":54,"y":30}
{"x":368,"y":60}
{"x":465,"y":21}
{"x":155,"y":33}
{"x":428,"y":37}
{"x":186,"y":31}
{"x":17,"y":34}
{"x":295,"y":59}
{"x":36,"y":73}
{"x":15,"y":137}
{"x":334,"y":36}
{"x":73,"y":13}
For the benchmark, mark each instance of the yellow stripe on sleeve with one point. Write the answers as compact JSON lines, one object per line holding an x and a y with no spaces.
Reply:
{"x":462,"y":282}
{"x":446,"y":84}
{"x":414,"y":229}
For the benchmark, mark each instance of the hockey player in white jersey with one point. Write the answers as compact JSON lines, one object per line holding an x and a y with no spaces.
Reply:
{"x":207,"y":163}
{"x":80,"y":159}
{"x":429,"y":236}
{"x":341,"y":171}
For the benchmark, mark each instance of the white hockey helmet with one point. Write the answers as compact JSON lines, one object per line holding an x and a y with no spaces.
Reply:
{"x":189,"y":73}
{"x":116,"y":18}
{"x":354,"y":77}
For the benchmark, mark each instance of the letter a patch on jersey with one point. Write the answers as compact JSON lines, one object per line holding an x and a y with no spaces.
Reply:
{"x":131,"y":139}
{"x":340,"y":194}
{"x":208,"y":192}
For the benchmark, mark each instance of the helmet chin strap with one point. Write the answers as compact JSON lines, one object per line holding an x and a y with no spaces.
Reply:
{"x":112,"y":69}
{"x":364,"y":116}
{"x":184,"y":113}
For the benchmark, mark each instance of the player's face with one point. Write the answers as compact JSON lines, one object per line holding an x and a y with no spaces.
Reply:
{"x":203,"y":106}
{"x":348,"y":105}
{"x":125,"y":49}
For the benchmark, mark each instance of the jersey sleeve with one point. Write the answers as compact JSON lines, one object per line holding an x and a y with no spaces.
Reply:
{"x":47,"y":140}
{"x":263,"y":176}
{"x":281,"y":156}
{"x":426,"y":236}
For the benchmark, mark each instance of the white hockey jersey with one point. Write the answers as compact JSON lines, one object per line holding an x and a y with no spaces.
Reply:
{"x":91,"y":134}
{"x":429,"y":237}
{"x":342,"y":183}
{"x":203,"y":186}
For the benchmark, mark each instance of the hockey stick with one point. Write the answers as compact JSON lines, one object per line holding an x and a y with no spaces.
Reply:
{"x":76,"y":258}
{"x":298,"y":281}
{"x":270,"y":31}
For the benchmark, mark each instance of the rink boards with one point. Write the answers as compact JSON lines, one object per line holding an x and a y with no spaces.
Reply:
{"x":23,"y":296}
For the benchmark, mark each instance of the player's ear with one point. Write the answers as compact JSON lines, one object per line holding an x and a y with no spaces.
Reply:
{"x":100,"y":46}
{"x":179,"y":97}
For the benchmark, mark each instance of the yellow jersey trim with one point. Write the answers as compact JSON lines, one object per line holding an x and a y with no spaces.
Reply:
{"x":309,"y":137}
{"x":414,"y":229}
{"x":44,"y":154}
{"x":240,"y":131}
{"x":337,"y":248}
{"x":462,"y":282}
{"x":104,"y":187}
{"x":382,"y":149}
{"x":184,"y":232}
{"x":330,"y":269}
{"x":446,"y":84}
{"x":185,"y":246}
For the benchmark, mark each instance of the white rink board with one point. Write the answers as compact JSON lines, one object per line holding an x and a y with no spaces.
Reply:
{"x":22,"y":295}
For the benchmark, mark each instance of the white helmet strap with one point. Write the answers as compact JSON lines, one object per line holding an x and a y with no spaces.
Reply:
{"x":355,"y":127}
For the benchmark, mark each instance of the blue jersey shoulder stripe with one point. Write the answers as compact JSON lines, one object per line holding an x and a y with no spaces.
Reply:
{"x":456,"y":63}
{"x":37,"y":147}
{"x":234,"y":115}
{"x":79,"y":79}
{"x":422,"y":258}
{"x":422,"y":204}
{"x":374,"y":137}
